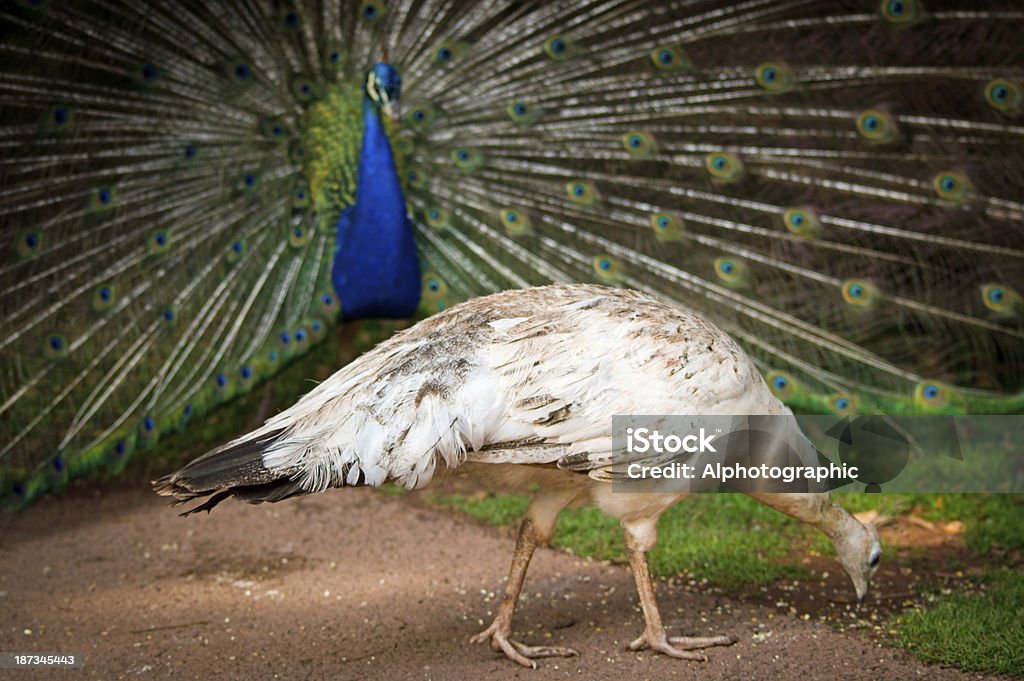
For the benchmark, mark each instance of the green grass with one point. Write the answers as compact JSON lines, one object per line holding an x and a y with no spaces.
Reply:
{"x":981,"y":631}
{"x":728,"y":539}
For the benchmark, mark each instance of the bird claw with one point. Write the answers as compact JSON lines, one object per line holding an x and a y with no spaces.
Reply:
{"x":520,"y":653}
{"x":680,"y":647}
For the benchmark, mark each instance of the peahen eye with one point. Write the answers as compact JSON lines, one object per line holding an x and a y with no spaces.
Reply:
{"x":875,"y":558}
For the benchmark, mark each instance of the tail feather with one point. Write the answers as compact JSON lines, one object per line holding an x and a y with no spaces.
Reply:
{"x":237,"y":470}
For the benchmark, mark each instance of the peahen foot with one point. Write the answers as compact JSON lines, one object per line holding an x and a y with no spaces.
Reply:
{"x":679,"y":646}
{"x":520,"y":653}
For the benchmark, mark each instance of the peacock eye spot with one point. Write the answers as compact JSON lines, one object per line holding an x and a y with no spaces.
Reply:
{"x":665,"y":57}
{"x":663,"y":222}
{"x":58,"y":463}
{"x":369,"y":12}
{"x":246,"y":372}
{"x":169,"y":314}
{"x":780,"y":382}
{"x":558,"y":46}
{"x":316,"y":326}
{"x":286,"y":337}
{"x":605,"y":264}
{"x":105,"y":293}
{"x":579,"y":190}
{"x":434,"y":215}
{"x":222,"y":380}
{"x":31,"y":240}
{"x":413,"y":175}
{"x":511,"y":216}
{"x":769,"y":74}
{"x":463,"y":154}
{"x":327,"y":299}
{"x":930,"y":392}
{"x":300,"y":335}
{"x":272,"y":356}
{"x":896,"y":7}
{"x":335,"y":57}
{"x":418,"y":115}
{"x":727,"y":267}
{"x":190,"y":151}
{"x":797,"y":219}
{"x":719,"y":162}
{"x":56,"y":343}
{"x":19,"y":489}
{"x":996,"y":295}
{"x":635,"y":141}
{"x":60,"y":115}
{"x":249,"y":179}
{"x":301,"y":194}
{"x":842,"y":403}
{"x":291,"y":19}
{"x":241,"y":71}
{"x":161,"y":239}
{"x":277,"y":130}
{"x":519,"y":108}
{"x":871,"y":123}
{"x":149,"y":423}
{"x":120,"y":447}
{"x":444,"y":54}
{"x":149,"y":72}
{"x":856,"y":291}
{"x":433,"y":286}
{"x":297,"y":232}
{"x":104,"y":196}
{"x":187,"y":411}
{"x":1000,"y":93}
{"x":948,"y":184}
{"x":306,"y":89}
{"x":237,"y":247}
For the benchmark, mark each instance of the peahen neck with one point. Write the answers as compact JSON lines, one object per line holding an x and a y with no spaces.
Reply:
{"x":376,"y":269}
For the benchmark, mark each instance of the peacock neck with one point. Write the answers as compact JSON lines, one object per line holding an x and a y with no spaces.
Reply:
{"x":376,"y":269}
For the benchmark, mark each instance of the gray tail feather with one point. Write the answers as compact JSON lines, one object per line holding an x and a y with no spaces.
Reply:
{"x":231,"y":471}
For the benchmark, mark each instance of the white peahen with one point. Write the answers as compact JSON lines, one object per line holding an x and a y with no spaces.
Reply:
{"x":190,"y":192}
{"x":519,"y":388}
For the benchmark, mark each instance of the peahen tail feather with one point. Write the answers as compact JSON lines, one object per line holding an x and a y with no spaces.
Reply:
{"x":839,"y":185}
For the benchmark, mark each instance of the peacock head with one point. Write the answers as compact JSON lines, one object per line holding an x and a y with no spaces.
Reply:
{"x":860,"y":552}
{"x":384,"y":87}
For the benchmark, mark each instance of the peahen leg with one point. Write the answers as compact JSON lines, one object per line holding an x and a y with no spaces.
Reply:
{"x":654,"y":636}
{"x":536,"y":529}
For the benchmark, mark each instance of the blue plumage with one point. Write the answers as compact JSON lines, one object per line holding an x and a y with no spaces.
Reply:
{"x":376,"y":270}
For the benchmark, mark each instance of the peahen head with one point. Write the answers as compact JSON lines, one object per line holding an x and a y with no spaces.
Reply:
{"x":860,"y":552}
{"x":384,"y":87}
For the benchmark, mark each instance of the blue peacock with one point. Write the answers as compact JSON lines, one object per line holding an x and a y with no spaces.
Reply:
{"x":193,"y":194}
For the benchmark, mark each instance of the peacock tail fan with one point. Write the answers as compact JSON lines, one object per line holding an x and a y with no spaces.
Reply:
{"x":836,"y":184}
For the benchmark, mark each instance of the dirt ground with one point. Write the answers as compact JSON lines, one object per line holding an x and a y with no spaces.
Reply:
{"x":355,"y":584}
